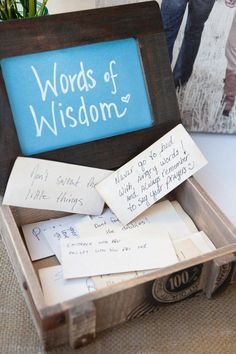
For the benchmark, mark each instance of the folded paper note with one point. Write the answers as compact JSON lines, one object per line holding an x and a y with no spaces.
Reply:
{"x":151,"y":175}
{"x":40,"y":184}
{"x":37,"y":245}
{"x":148,"y":247}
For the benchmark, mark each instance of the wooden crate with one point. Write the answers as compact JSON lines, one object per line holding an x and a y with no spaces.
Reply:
{"x":79,"y":320}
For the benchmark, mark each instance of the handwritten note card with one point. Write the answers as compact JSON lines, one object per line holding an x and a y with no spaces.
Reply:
{"x":40,"y":184}
{"x":146,"y":248}
{"x":104,"y":281}
{"x":37,"y":245}
{"x":56,"y":289}
{"x":67,"y":232}
{"x":162,"y":214}
{"x":151,"y":175}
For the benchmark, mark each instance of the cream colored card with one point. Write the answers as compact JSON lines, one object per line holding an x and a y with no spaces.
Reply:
{"x":56,"y":289}
{"x":151,"y":175}
{"x":67,"y":232}
{"x":193,"y":245}
{"x":148,"y":247}
{"x":41,"y":184}
{"x":106,"y":223}
{"x":185,"y":217}
{"x":104,"y":281}
{"x":162,"y":213}
{"x":37,"y":245}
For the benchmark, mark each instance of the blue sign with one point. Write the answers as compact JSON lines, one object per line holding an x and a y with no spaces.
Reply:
{"x":75,"y":95}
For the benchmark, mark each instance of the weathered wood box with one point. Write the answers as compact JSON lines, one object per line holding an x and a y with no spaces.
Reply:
{"x":79,"y":320}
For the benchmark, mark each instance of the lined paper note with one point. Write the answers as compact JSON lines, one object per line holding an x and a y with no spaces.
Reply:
{"x":40,"y":184}
{"x":151,"y":175}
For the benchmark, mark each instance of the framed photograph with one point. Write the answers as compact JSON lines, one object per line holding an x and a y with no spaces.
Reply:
{"x":201,"y":39}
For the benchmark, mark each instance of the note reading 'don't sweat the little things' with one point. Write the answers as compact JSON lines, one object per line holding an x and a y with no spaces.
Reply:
{"x":151,"y":175}
{"x":41,"y":184}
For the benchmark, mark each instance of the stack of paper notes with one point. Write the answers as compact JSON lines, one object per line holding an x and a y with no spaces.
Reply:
{"x":98,"y":251}
{"x":134,"y":234}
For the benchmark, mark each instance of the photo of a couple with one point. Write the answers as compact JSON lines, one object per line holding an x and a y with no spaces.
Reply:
{"x":201,"y":40}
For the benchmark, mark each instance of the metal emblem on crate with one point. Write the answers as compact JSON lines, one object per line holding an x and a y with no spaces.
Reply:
{"x":177,"y":286}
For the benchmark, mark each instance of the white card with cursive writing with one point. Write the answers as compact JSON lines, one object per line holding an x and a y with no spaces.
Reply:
{"x":147,"y":247}
{"x":151,"y":175}
{"x":40,"y":184}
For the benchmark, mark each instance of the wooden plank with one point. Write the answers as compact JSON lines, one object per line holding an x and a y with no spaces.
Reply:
{"x":76,"y":28}
{"x":19,"y":256}
{"x":82,"y":325}
{"x":205,"y":213}
{"x":24,"y":216}
{"x":218,"y":271}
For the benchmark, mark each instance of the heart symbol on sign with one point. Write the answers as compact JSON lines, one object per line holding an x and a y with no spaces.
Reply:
{"x":126,"y":98}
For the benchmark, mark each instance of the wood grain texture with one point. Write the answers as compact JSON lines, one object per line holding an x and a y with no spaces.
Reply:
{"x":76,"y":28}
{"x":214,"y":278}
{"x":19,"y":256}
{"x":82,"y":325}
{"x":141,"y":21}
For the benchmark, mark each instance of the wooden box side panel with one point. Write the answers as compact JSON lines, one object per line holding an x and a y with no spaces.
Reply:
{"x":22,"y":265}
{"x":205,"y":214}
{"x":124,"y":305}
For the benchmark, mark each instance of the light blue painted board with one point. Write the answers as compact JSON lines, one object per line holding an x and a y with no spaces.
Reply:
{"x":75,"y":95}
